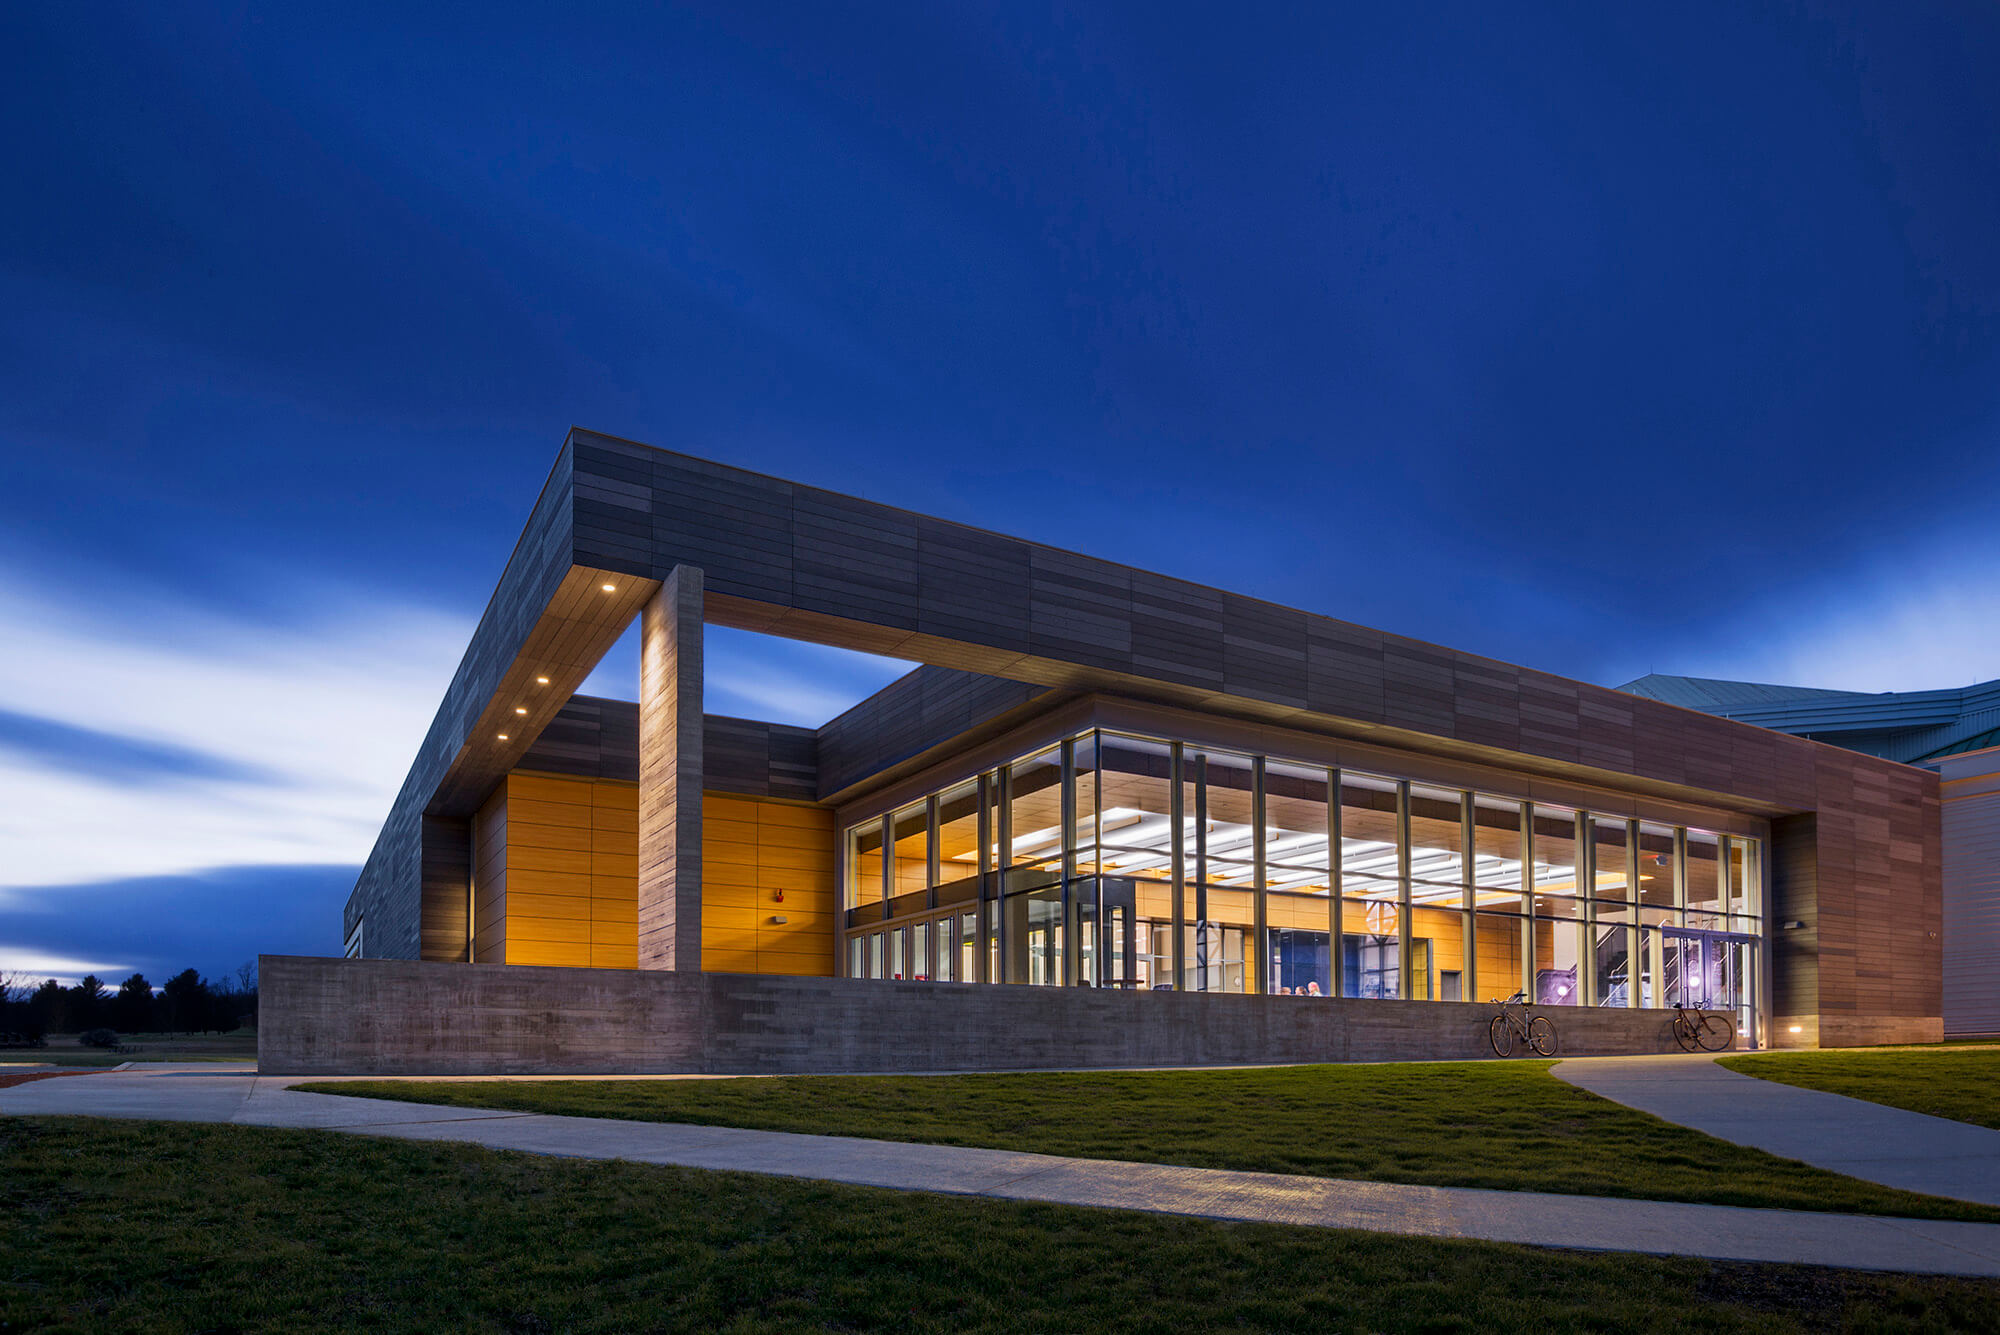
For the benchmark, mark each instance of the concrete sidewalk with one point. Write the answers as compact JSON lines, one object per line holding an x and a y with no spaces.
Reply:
{"x":235,"y":1094}
{"x":1866,"y":1140}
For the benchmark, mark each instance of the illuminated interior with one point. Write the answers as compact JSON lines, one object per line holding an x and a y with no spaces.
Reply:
{"x":1139,"y":863}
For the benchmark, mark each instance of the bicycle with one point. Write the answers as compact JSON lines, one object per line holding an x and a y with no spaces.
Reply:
{"x":1537,"y":1031}
{"x":1695,"y":1031}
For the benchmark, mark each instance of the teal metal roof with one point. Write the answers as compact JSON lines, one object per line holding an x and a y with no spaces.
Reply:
{"x":1976,"y":742}
{"x":1907,"y":726}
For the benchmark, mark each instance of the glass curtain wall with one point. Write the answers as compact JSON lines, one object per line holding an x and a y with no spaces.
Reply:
{"x":1145,"y":864}
{"x":1300,"y":926}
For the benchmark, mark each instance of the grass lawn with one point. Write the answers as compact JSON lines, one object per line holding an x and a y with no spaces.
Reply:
{"x":174,"y":1228}
{"x":1510,"y":1126}
{"x":64,"y":1050}
{"x":1962,"y":1085}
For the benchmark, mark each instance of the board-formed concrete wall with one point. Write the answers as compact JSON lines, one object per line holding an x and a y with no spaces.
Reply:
{"x":408,"y":1017}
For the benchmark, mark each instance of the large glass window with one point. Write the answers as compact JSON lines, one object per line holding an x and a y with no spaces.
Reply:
{"x":1067,"y":877}
{"x":1743,"y":882}
{"x":1437,"y":844}
{"x":911,"y":831}
{"x":1704,"y":881}
{"x":864,"y":865}
{"x":1129,"y":847}
{"x":1500,"y":894}
{"x":1370,"y":890}
{"x":1218,"y":904}
{"x":1036,"y":813}
{"x":1297,"y":911}
{"x":1496,"y":862}
{"x":959,"y":853}
{"x":1656,"y":865}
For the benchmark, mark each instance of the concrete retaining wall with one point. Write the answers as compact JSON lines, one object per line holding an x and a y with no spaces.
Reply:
{"x":406,"y":1017}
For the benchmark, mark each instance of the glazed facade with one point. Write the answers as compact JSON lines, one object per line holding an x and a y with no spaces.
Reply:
{"x":1119,"y":860}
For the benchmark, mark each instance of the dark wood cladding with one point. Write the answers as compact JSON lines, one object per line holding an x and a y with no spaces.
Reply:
{"x":910,"y":715}
{"x":446,"y":873}
{"x":795,"y":560}
{"x":1793,"y":928}
{"x":756,"y":759}
{"x":401,"y":919}
{"x":595,"y":738}
{"x":590,"y":737}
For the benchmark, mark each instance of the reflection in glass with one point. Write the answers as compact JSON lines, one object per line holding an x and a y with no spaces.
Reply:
{"x":864,"y":865}
{"x":1487,"y":896}
{"x":1437,"y":843}
{"x":1704,"y":872}
{"x":1558,"y":954}
{"x":958,"y":843}
{"x":1656,"y":864}
{"x":1496,"y":860}
{"x":1555,"y":850}
{"x":912,"y":833}
{"x":1610,"y":872}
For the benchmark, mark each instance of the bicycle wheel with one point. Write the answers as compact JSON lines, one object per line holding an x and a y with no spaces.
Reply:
{"x":1542,"y":1035}
{"x":1503,"y":1036}
{"x":1714,"y":1033}
{"x":1684,"y":1033}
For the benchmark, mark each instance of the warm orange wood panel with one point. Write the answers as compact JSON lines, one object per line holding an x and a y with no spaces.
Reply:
{"x":753,"y":851}
{"x":556,"y":880}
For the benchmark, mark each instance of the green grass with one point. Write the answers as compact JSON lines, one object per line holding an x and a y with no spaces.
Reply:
{"x":1508,"y":1126}
{"x":177,"y":1228}
{"x":1962,"y":1085}
{"x":64,"y":1050}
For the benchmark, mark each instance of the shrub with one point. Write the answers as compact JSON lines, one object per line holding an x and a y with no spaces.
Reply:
{"x":98,"y":1038}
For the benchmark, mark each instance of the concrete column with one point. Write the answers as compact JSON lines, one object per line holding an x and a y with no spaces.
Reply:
{"x":670,"y":775}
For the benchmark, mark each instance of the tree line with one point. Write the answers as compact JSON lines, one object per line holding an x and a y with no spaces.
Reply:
{"x":187,"y":1003}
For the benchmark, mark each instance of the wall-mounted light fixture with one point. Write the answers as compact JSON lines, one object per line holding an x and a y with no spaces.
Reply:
{"x":778,"y":917}
{"x":1794,"y":924}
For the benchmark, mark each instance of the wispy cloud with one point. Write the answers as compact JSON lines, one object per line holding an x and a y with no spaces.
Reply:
{"x":148,"y":734}
{"x":35,"y":965}
{"x":764,"y":677}
{"x":1926,"y":618}
{"x":284,"y":743}
{"x":1942,"y":629}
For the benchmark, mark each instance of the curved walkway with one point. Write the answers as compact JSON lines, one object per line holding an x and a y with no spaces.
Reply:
{"x":234,"y":1094}
{"x":1871,"y":1141}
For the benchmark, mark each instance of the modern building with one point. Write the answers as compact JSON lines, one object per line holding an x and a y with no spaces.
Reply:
{"x":1114,"y":816}
{"x":1953,"y":733}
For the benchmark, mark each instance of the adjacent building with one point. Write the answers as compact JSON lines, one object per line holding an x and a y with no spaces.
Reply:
{"x":1113,"y":816}
{"x":1953,"y":733}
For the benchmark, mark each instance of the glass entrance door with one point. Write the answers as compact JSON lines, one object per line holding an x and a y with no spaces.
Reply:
{"x":1712,"y":971}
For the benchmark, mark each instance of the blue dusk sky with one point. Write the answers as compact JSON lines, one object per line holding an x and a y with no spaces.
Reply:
{"x":1601,"y":338}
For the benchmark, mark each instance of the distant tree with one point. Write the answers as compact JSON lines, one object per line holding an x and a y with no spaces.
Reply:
{"x":13,"y":998}
{"x":187,"y":1001}
{"x":239,"y":995}
{"x":86,"y":1003}
{"x":132,"y":1008}
{"x":45,"y":1008}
